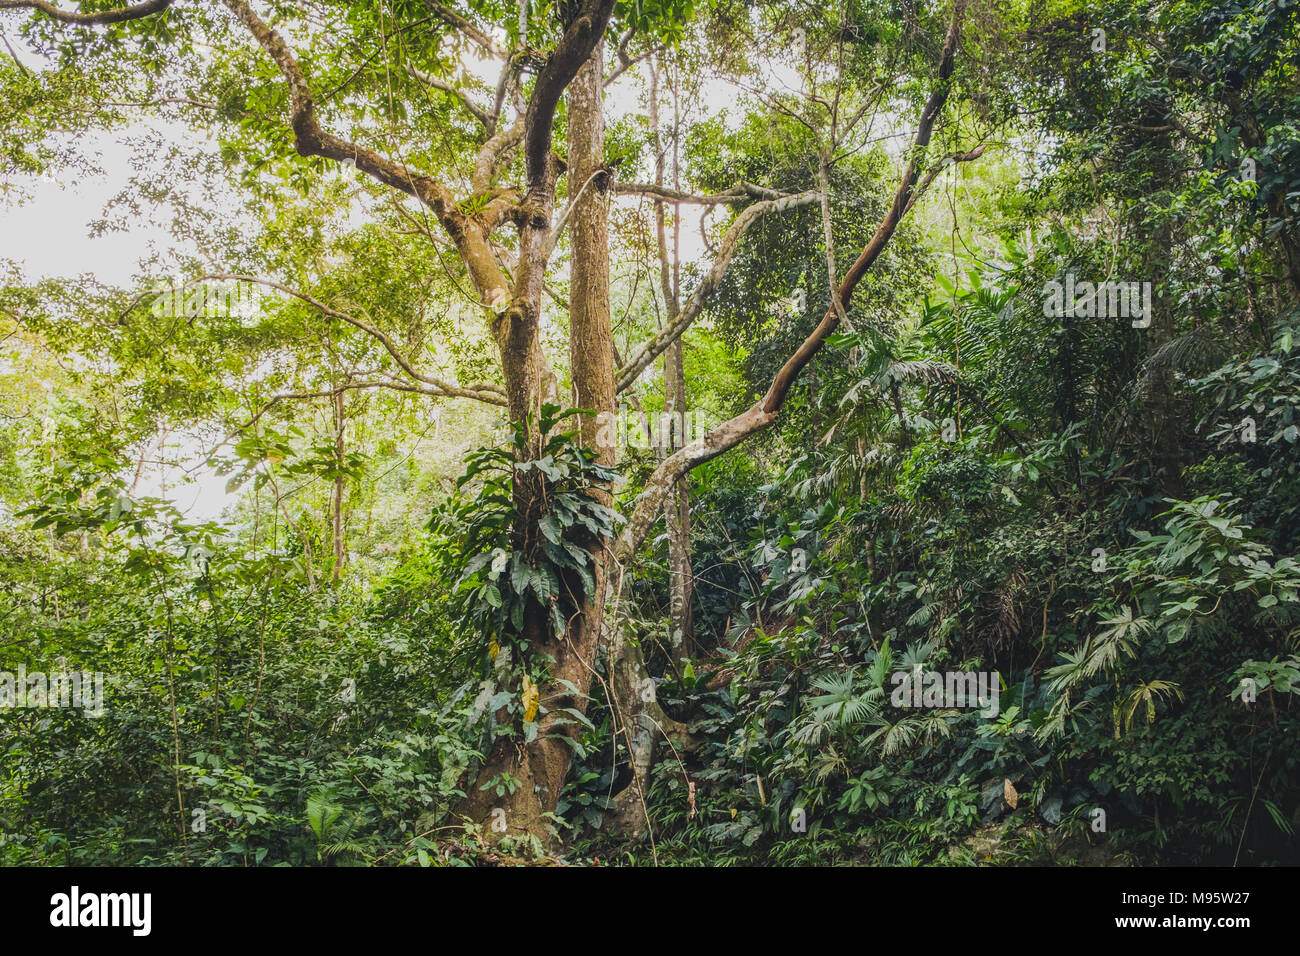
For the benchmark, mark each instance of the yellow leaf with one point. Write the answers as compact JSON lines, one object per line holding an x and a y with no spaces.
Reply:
{"x":530,"y":699}
{"x":733,"y":814}
{"x":493,"y":650}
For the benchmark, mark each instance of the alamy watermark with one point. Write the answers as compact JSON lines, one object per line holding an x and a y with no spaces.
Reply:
{"x":211,"y":298}
{"x":663,"y":431}
{"x":64,"y":689}
{"x":947,"y":689}
{"x":1103,"y":300}
{"x":75,"y":908}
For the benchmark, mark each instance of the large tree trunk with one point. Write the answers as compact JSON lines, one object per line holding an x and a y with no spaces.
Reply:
{"x":541,"y":766}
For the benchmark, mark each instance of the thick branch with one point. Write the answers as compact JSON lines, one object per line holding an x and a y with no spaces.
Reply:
{"x":469,"y":235}
{"x":516,"y":330}
{"x":311,"y":140}
{"x":120,"y":15}
{"x":740,"y":193}
{"x":580,"y":38}
{"x":489,"y":157}
{"x":650,"y":502}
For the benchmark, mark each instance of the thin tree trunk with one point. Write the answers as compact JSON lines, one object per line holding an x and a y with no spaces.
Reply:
{"x":677,"y":505}
{"x":677,"y":515}
{"x":640,"y":719}
{"x":337,"y":510}
{"x":1164,"y":429}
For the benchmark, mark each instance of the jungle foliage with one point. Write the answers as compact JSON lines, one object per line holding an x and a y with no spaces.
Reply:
{"x":1101,"y":514}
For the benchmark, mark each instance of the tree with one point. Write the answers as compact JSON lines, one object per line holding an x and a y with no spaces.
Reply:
{"x":506,"y":274}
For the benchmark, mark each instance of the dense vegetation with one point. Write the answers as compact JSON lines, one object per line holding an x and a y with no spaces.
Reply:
{"x":435,"y":608}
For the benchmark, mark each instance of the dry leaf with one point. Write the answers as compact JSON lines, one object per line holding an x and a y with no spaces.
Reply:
{"x":530,"y":699}
{"x":1009,"y":794}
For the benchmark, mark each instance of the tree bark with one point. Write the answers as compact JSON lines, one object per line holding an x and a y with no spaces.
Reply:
{"x":677,"y":515}
{"x":640,"y":720}
{"x":541,"y":766}
{"x":336,"y":510}
{"x":677,"y":506}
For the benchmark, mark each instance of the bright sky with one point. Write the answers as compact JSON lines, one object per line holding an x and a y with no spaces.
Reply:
{"x":50,"y":234}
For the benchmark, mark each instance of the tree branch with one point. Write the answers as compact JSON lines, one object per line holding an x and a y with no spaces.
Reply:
{"x":121,"y":15}
{"x":682,"y":321}
{"x":776,"y":394}
{"x":626,"y":63}
{"x":311,"y":140}
{"x":454,"y":19}
{"x":461,"y":96}
{"x":483,"y":392}
{"x":562,"y":220}
{"x":468,"y":234}
{"x":924,"y":184}
{"x":764,"y":412}
{"x":580,"y":38}
{"x":489,"y":157}
{"x":330,"y":393}
{"x":738,"y":193}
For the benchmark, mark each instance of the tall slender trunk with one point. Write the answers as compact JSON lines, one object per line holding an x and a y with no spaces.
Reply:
{"x":1252,"y":137}
{"x":677,"y":515}
{"x":337,"y":509}
{"x":677,"y":504}
{"x":638,"y":713}
{"x":1163,"y":422}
